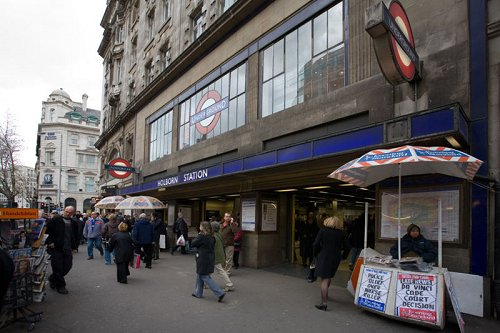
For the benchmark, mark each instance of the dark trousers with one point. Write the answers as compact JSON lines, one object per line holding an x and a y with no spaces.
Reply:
{"x":122,"y":272}
{"x":61,"y":262}
{"x":156,"y":249}
{"x":147,"y":249}
{"x":236,"y":257}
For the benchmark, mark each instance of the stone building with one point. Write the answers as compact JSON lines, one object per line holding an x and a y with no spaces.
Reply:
{"x":67,"y":161}
{"x":246,"y":106}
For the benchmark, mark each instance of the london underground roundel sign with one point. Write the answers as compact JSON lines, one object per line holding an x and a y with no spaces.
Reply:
{"x":403,"y":62}
{"x":208,"y":111}
{"x":120,"y":168}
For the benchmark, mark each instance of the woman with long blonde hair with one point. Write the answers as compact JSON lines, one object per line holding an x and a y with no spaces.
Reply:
{"x":331,"y":245}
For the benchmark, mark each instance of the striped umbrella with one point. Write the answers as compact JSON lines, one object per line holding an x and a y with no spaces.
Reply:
{"x":141,"y":202}
{"x":109,"y":202}
{"x":380,"y":164}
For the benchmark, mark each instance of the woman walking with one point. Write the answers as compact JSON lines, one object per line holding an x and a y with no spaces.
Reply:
{"x":122,"y":244}
{"x":205,"y":261}
{"x":329,"y":247}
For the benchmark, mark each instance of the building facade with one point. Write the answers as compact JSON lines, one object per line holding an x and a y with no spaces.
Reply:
{"x":247,"y":106}
{"x":67,"y":165}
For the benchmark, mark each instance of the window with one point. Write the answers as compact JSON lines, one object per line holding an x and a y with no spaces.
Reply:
{"x":87,"y":161}
{"x":198,"y":24}
{"x":73,"y":139}
{"x":133,"y":51}
{"x":89,"y":184}
{"x":160,"y":141}
{"x":72,"y":183}
{"x":91,"y":141}
{"x":306,"y":63}
{"x":165,"y":56}
{"x":118,"y":72}
{"x":119,"y":34}
{"x":49,"y":157}
{"x":226,"y":4}
{"x":150,"y":25}
{"x":149,"y":74}
{"x":217,"y":108}
{"x":166,"y":10}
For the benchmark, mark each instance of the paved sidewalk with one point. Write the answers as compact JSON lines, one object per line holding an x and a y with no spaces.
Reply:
{"x":159,"y":300}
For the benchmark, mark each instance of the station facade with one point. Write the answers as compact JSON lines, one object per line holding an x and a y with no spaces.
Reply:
{"x":247,"y":106}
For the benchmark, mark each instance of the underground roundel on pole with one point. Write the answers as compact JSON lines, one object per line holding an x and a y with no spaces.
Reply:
{"x":119,"y":168}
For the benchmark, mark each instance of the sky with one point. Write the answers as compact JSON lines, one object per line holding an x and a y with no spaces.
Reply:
{"x":46,"y":45}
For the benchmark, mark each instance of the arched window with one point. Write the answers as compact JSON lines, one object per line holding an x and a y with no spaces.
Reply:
{"x":70,"y":202}
{"x":87,"y":205}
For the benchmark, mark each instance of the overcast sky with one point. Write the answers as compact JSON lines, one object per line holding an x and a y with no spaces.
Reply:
{"x":46,"y":45}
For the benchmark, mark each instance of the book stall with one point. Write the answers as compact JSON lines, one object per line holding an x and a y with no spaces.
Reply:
{"x":22,"y":236}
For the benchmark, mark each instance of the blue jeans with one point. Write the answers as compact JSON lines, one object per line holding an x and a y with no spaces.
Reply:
{"x":201,"y":279}
{"x":91,"y":242}
{"x":107,"y":255}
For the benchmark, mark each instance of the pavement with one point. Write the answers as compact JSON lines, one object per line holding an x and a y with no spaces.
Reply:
{"x":159,"y":300}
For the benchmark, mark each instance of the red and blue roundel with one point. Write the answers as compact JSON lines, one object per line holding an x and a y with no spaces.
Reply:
{"x":208,"y":111}
{"x":403,"y":63}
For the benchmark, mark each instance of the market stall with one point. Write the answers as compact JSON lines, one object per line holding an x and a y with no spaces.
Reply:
{"x":21,"y":236}
{"x":396,"y":287}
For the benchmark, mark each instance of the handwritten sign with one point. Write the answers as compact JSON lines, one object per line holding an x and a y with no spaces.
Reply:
{"x":416,"y":297}
{"x":374,"y":289}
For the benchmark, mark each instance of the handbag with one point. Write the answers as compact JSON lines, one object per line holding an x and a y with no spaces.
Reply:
{"x":181,"y":241}
{"x":137,"y":261}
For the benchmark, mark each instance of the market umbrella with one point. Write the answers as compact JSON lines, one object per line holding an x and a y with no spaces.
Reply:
{"x":141,"y":202}
{"x":109,"y":202}
{"x":380,"y":164}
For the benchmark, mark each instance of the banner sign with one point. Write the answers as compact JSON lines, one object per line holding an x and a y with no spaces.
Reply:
{"x":416,"y":297}
{"x":374,"y":289}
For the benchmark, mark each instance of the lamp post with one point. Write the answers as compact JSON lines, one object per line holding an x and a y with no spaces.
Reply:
{"x":60,"y":174}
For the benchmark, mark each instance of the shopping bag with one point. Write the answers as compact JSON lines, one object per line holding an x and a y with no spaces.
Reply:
{"x":137,"y":260}
{"x":181,"y":241}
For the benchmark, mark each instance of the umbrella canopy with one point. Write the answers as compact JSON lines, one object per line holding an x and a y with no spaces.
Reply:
{"x":141,"y":202}
{"x":380,"y":164}
{"x":109,"y":202}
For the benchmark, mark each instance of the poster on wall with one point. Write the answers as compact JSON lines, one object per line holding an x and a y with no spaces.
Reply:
{"x":269,"y":215}
{"x":416,"y":297}
{"x":248,"y":214}
{"x":421,"y":208}
{"x":186,"y":214}
{"x":374,"y":289}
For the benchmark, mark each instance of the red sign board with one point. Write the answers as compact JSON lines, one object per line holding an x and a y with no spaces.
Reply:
{"x":120,"y":168}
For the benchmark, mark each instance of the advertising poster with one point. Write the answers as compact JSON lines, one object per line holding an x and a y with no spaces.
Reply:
{"x":248,"y":215}
{"x":416,"y":297}
{"x":269,"y":215}
{"x":374,"y":289}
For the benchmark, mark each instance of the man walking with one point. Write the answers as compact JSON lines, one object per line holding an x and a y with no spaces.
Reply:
{"x":180,"y":228}
{"x":63,"y":238}
{"x":92,"y":231}
{"x":227,"y":231}
{"x":143,"y":237}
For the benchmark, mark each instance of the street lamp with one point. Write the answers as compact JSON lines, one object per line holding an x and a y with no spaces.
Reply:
{"x":60,"y":174}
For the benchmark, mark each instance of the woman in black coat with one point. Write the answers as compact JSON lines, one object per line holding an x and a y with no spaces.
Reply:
{"x":121,"y":243}
{"x":330,"y":247}
{"x":205,"y":262}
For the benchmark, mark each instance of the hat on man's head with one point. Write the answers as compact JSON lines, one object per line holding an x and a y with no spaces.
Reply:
{"x":411,"y":227}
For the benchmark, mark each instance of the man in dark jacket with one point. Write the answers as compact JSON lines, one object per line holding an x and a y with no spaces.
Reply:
{"x":159,"y":229}
{"x":6,"y":272}
{"x":143,"y":237}
{"x":180,"y":228}
{"x":413,"y":244}
{"x":63,"y":238}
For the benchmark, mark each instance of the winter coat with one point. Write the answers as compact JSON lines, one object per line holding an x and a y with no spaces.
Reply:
{"x":181,"y":228}
{"x":159,"y":229}
{"x":122,"y":244}
{"x":56,"y":229}
{"x":93,"y":228}
{"x":420,"y":246}
{"x":238,"y":237}
{"x":143,"y":232}
{"x":330,"y":246}
{"x":220,"y":255}
{"x":227,"y":233}
{"x":357,"y":233}
{"x":205,"y":255}
{"x":110,"y":228}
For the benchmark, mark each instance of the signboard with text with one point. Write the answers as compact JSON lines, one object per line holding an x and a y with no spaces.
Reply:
{"x":416,"y":297}
{"x":374,"y":288}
